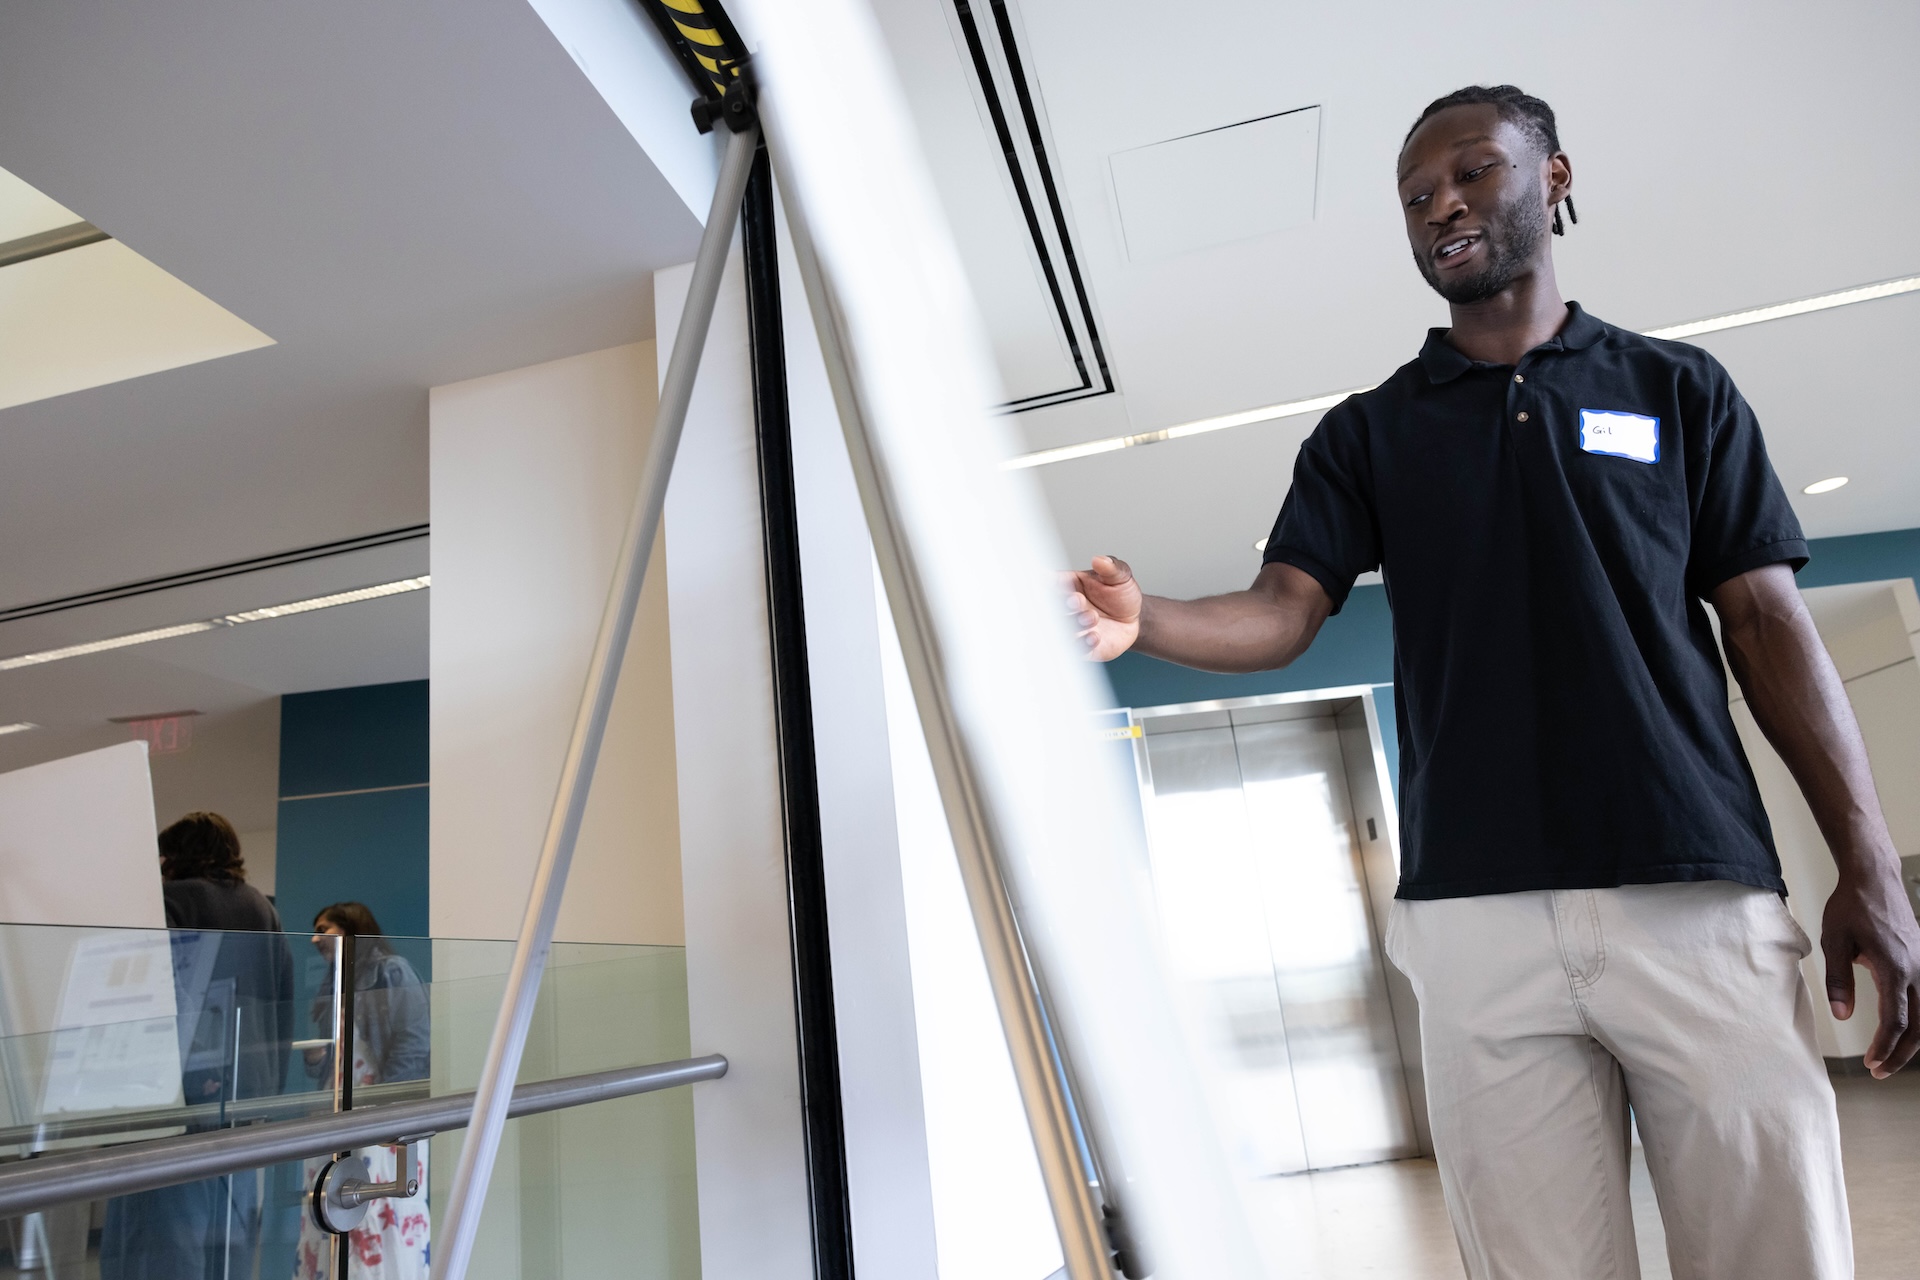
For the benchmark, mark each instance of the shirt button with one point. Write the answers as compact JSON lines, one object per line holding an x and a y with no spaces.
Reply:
{"x":1519,"y":377}
{"x":1523,"y":415}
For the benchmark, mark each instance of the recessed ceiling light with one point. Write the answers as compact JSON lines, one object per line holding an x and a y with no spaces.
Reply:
{"x":1293,"y":408}
{"x":1262,"y":544}
{"x":20,"y":727}
{"x":214,"y":624}
{"x":1825,"y":486}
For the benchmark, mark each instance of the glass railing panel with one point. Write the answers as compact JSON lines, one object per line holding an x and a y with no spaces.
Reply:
{"x":114,"y":1035}
{"x":109,"y":1036}
{"x":603,"y":1190}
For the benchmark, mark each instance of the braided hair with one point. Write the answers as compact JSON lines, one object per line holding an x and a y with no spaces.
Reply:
{"x":1529,"y":114}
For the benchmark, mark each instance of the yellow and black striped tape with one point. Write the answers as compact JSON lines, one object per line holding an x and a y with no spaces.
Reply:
{"x":704,"y":39}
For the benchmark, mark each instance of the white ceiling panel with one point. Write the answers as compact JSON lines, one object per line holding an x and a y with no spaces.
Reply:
{"x":1724,"y":157}
{"x":25,"y":211}
{"x":1225,"y":185}
{"x":102,"y":313}
{"x":400,"y":195}
{"x":1823,"y":387}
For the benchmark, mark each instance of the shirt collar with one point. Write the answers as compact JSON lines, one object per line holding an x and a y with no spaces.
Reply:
{"x":1444,"y":362}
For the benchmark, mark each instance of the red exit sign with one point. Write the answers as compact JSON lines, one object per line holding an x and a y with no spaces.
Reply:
{"x":165,"y":734}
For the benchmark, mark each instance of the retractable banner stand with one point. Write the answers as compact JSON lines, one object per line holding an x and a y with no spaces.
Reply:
{"x":1008,"y":704}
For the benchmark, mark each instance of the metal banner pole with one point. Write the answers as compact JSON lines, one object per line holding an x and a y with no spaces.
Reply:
{"x":975,"y":840}
{"x":453,"y":1246}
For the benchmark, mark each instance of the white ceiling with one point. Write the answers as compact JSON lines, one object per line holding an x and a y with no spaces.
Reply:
{"x":407,"y":195}
{"x":218,"y":673}
{"x":401,"y":195}
{"x":100,"y":313}
{"x":1724,"y":157}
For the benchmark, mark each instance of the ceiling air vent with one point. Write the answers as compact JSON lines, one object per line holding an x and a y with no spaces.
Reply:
{"x":1213,"y":188}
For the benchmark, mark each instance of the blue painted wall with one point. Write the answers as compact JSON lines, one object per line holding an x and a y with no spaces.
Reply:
{"x":1864,"y":557}
{"x":352,"y":827}
{"x":353,"y":804}
{"x":1356,"y":645}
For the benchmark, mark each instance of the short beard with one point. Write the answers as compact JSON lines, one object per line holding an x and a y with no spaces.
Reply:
{"x":1511,"y":238}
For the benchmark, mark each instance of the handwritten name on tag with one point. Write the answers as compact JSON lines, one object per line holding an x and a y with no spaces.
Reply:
{"x":1622,"y":435}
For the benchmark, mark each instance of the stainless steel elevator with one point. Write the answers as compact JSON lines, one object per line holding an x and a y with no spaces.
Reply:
{"x":1271,"y":834}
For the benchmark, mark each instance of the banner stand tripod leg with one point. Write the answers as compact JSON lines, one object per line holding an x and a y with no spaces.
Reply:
{"x":1042,"y":1079}
{"x":453,"y":1246}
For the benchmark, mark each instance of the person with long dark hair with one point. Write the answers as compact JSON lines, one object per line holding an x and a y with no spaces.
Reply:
{"x":391,"y":1042}
{"x":391,"y":1018}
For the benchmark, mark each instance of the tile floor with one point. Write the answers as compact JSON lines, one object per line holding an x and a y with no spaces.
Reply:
{"x":1388,"y":1220}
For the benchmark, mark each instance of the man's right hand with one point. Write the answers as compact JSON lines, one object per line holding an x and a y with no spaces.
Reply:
{"x":1105,"y":602}
{"x":1268,"y":625}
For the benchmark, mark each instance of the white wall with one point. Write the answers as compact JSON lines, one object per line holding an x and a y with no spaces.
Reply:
{"x":754,"y":1213}
{"x":533,"y":474}
{"x":1870,"y":629}
{"x":232,"y":767}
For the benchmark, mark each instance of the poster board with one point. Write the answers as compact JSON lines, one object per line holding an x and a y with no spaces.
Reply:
{"x":86,"y":1012}
{"x":77,"y":842}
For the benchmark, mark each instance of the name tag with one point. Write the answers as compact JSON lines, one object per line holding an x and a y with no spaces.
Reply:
{"x":1623,"y":435}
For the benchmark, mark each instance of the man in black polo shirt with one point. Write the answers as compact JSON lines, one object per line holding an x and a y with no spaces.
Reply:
{"x":1589,"y":904}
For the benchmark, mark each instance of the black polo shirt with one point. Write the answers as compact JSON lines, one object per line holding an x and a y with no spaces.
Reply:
{"x":1546,"y":532}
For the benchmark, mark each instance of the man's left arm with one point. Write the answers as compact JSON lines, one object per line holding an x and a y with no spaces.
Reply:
{"x":1799,"y":703}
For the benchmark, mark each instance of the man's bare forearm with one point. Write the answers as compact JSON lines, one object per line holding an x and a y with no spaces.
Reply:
{"x":1266,"y":626}
{"x":1799,"y":703}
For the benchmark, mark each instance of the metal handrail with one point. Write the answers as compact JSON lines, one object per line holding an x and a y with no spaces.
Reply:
{"x":279,"y":1106}
{"x":28,"y":1185}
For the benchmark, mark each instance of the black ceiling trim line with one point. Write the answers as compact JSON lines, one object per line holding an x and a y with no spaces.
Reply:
{"x":213,"y":573}
{"x":1024,"y":91}
{"x":1003,"y":134}
{"x":1036,"y":139}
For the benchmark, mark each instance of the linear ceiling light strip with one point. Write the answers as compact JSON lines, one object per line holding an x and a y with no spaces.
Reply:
{"x":43,"y":243}
{"x":214,"y":624}
{"x":1780,"y":311}
{"x":212,"y":573}
{"x":1267,"y":413}
{"x":1319,"y":404}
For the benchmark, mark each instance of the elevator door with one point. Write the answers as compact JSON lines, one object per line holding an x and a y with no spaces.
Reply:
{"x":1264,"y":905}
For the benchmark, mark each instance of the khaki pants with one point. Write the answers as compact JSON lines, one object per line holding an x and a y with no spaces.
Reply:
{"x":1545,"y":1015}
